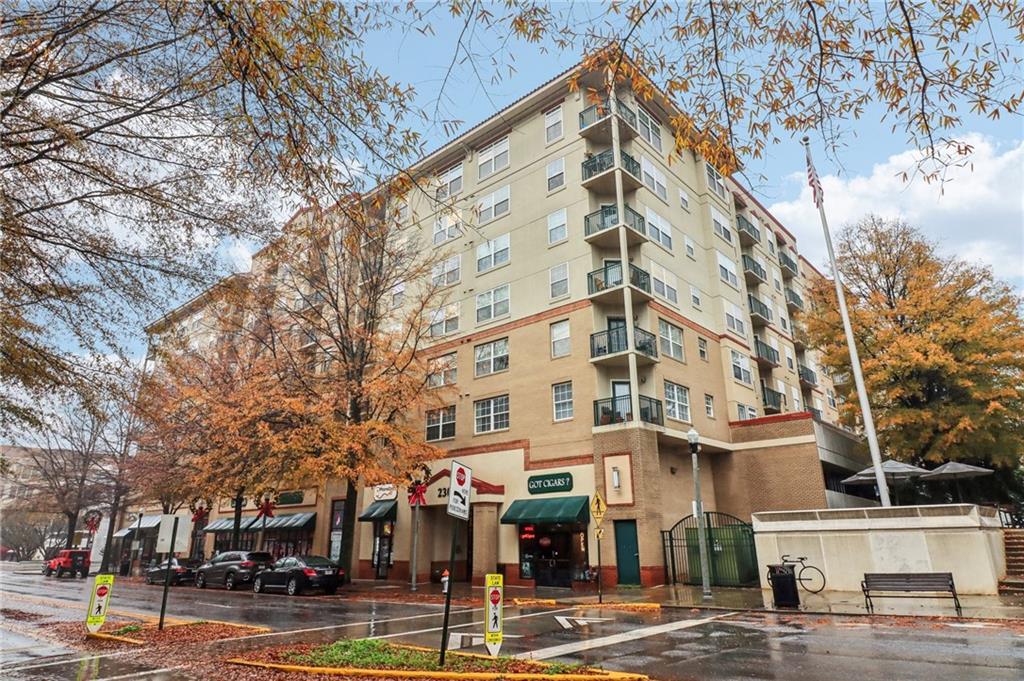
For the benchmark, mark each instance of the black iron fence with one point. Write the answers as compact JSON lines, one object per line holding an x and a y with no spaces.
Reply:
{"x":732,"y":560}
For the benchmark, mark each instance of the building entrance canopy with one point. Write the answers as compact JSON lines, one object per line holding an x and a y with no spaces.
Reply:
{"x":380,"y":510}
{"x":549,"y":510}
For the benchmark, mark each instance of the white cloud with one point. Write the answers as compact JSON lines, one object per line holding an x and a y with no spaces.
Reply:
{"x":977,"y":215}
{"x":239,"y":255}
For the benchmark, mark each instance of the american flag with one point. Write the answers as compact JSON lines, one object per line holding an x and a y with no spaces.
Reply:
{"x":812,"y":179}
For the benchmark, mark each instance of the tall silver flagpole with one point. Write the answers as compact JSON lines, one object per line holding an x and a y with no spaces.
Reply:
{"x":858,"y":377}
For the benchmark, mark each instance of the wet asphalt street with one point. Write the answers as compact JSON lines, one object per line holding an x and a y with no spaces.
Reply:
{"x":671,"y":645}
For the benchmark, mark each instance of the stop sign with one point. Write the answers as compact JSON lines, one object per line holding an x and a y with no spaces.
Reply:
{"x":102,"y":591}
{"x":460,"y":476}
{"x":495,"y":596}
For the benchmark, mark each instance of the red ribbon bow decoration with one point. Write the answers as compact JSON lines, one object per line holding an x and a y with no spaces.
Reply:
{"x":92,"y":523}
{"x":200,"y":514}
{"x":418,"y":494}
{"x":266,"y":509}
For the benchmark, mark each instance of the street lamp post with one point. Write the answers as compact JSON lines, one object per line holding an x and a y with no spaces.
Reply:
{"x":693,"y":437}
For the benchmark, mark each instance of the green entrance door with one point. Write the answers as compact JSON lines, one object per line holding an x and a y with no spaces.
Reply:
{"x":627,"y":552}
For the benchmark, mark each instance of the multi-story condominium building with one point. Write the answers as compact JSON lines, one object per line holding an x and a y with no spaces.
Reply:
{"x":601,"y":303}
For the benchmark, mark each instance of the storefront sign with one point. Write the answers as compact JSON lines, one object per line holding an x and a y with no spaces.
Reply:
{"x":552,"y":482}
{"x":385,"y":492}
{"x":336,"y":545}
{"x":98,"y":603}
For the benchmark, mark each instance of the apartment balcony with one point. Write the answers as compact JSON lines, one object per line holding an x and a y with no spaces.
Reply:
{"x":815,"y":414}
{"x":760,"y":314}
{"x":767,"y":356}
{"x":773,"y":400}
{"x":620,"y":410}
{"x":599,"y":228}
{"x":598,"y":172}
{"x":807,"y":376}
{"x":611,"y":347}
{"x":749,"y":234}
{"x":753,"y":272}
{"x":596,"y":122}
{"x":793,"y":301}
{"x":789,"y":267}
{"x":606,"y":284}
{"x":799,"y":336}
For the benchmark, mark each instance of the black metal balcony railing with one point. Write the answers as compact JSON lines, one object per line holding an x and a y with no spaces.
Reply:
{"x":751,"y":265}
{"x":604,"y":218}
{"x":597,"y":112}
{"x":646,"y":343}
{"x":758,"y":308}
{"x":608,"y":342}
{"x":635,"y":221}
{"x":773,"y":399}
{"x":619,"y":410}
{"x":639,"y":278}
{"x":631,"y":165}
{"x":815,"y":413}
{"x":793,"y":298}
{"x":788,"y":265}
{"x":744,"y":226}
{"x":807,"y":375}
{"x":597,"y":164}
{"x":610,"y":276}
{"x":766,"y":352}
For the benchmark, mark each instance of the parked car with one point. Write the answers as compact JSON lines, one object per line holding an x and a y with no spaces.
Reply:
{"x":232,"y":568}
{"x":296,"y":574}
{"x":182,"y":570}
{"x":73,"y":561}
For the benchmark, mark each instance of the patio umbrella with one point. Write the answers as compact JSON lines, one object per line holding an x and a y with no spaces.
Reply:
{"x":896,"y":472}
{"x":956,"y":471}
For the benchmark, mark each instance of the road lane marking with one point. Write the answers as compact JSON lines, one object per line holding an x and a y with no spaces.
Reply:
{"x":470,"y":624}
{"x":570,"y":622}
{"x":216,"y":605}
{"x":71,"y":661}
{"x":137,"y":675}
{"x":601,"y":642}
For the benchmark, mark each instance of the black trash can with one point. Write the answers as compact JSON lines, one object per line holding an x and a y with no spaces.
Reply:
{"x":783,"y":581}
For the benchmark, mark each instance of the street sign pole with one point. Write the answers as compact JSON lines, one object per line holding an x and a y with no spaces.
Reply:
{"x":448,"y":593}
{"x":598,"y":508}
{"x":459,"y":491}
{"x":167,"y":572}
{"x":600,"y":591}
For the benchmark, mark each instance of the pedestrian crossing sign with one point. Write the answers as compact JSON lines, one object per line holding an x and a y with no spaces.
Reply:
{"x":98,"y":602}
{"x":494,"y":596}
{"x":598,"y":508}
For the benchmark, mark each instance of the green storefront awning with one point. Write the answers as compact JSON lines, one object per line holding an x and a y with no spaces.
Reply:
{"x":548,"y":510}
{"x":228,"y":524}
{"x":380,"y":510}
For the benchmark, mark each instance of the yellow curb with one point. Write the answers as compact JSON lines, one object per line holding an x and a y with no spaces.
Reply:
{"x":112,"y":637}
{"x":455,"y":676}
{"x":534,"y":601}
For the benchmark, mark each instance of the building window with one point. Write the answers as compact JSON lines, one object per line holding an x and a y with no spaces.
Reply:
{"x":783,"y":320}
{"x":492,"y":253}
{"x":720,"y":224}
{"x":491,"y":414}
{"x":727,"y":270}
{"x":795,"y":393}
{"x":443,"y":371}
{"x":695,"y":297}
{"x":702,"y":348}
{"x":402,"y":211}
{"x":745,"y":412}
{"x":492,"y":304}
{"x":659,"y":229}
{"x":490,"y":358}
{"x":741,"y":367}
{"x":448,"y":271}
{"x":558,"y":277}
{"x":446,"y":227}
{"x":677,"y":401}
{"x":654,"y":178}
{"x":650,"y":130}
{"x":449,"y":182}
{"x":397,"y":295}
{"x":671,"y":339}
{"x":771,"y":244}
{"x":831,"y":396}
{"x":444,"y":320}
{"x":557,"y":230}
{"x":684,"y":199}
{"x":494,"y":205}
{"x":709,"y":406}
{"x":493,"y":158}
{"x":665,"y":285}
{"x":561,"y":397}
{"x":553,"y":124}
{"x":691,"y":249}
{"x":789,"y":359}
{"x":556,"y":174}
{"x":561,"y":343}
{"x":440,"y":424}
{"x":734,"y":319}
{"x":777,"y":279}
{"x":715,"y":181}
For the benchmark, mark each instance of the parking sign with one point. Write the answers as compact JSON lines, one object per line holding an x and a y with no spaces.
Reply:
{"x":458,"y":495}
{"x":98,"y":603}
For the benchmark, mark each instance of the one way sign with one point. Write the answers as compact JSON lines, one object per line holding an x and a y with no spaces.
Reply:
{"x":573,"y":622}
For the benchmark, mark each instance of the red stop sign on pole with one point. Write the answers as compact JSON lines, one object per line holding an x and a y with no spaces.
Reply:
{"x":460,"y":476}
{"x":495,"y":596}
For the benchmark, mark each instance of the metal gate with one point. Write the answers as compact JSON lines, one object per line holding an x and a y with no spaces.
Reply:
{"x":731,"y":556}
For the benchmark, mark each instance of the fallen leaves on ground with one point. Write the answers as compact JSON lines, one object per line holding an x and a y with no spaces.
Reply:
{"x":20,"y":615}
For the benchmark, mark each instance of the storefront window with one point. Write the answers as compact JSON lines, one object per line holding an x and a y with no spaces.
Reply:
{"x":553,"y":554}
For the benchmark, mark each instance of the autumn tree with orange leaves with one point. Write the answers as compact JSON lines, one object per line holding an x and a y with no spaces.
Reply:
{"x":941,"y":344}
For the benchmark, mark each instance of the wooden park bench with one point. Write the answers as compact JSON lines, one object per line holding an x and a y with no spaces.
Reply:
{"x":909,"y":585}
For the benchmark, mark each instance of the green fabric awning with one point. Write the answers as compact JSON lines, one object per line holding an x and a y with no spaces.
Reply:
{"x":380,"y":510}
{"x":548,"y":510}
{"x":288,"y":521}
{"x":228,"y":524}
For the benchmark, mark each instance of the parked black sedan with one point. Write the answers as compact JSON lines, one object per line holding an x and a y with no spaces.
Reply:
{"x":182,"y":570}
{"x":296,"y":574}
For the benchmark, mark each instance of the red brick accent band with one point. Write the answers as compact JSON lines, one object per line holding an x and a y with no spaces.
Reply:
{"x":774,"y":418}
